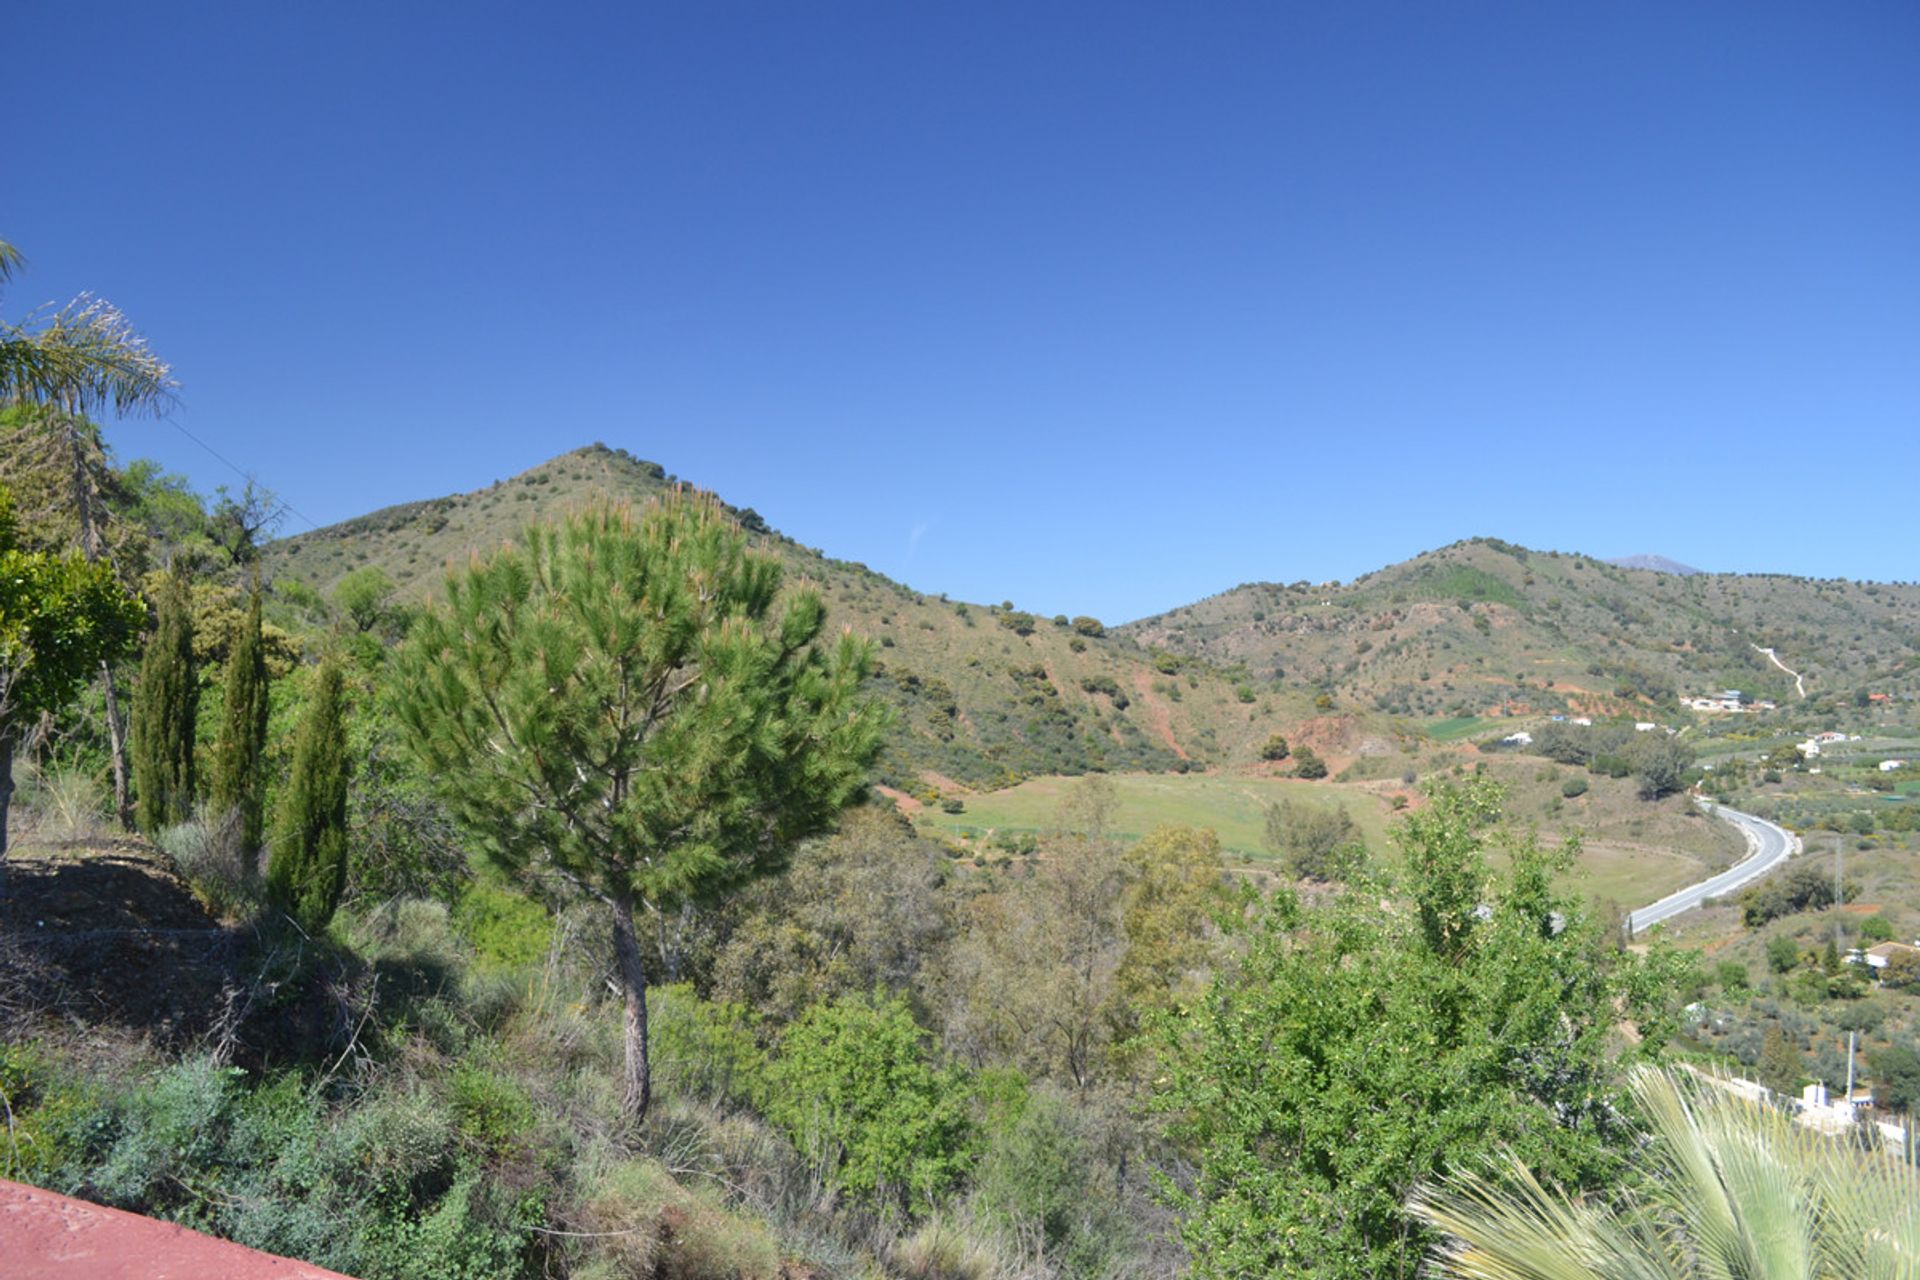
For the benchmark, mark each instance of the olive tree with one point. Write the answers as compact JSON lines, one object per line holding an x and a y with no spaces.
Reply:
{"x":627,"y":703}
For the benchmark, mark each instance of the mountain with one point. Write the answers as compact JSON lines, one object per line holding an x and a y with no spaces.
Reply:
{"x":1658,"y":564}
{"x":1484,"y":626}
{"x":985,"y":694}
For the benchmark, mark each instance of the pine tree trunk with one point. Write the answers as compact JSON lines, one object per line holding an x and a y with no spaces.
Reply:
{"x":117,"y":747}
{"x":633,"y":984}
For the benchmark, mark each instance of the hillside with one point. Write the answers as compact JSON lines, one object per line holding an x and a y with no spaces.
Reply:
{"x":1487,"y":628}
{"x":980,"y":704}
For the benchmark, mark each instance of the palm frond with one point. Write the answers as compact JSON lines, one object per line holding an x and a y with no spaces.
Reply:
{"x":1735,"y":1190}
{"x":85,"y":356}
{"x":11,"y":261}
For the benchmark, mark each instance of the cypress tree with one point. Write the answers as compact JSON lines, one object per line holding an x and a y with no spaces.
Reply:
{"x":239,"y":754}
{"x":308,"y":867}
{"x":164,"y":704}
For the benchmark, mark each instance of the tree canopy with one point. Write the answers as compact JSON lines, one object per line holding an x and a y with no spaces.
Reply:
{"x":626,"y":703}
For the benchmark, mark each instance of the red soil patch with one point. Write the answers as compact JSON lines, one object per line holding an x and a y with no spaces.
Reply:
{"x":44,"y":1236}
{"x":941,"y":782}
{"x":1158,"y":712}
{"x":901,"y":800}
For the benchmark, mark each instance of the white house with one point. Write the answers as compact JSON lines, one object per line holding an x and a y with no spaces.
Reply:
{"x":1888,"y":766}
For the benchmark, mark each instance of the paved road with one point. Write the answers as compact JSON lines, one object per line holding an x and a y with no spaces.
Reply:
{"x":1767,"y":847}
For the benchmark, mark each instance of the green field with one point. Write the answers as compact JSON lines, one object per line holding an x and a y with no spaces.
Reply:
{"x":1633,"y":853}
{"x":1233,"y":806}
{"x":1455,"y":728}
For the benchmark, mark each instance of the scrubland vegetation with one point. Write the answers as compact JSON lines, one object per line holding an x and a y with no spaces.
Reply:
{"x":571,"y":923}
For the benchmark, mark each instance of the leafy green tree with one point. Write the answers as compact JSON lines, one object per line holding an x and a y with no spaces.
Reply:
{"x":1275,"y":748}
{"x":364,"y":596}
{"x":1175,"y":886}
{"x":1308,"y":764}
{"x":1780,"y":1067}
{"x":166,"y":701}
{"x":1314,"y":842}
{"x":239,"y":754}
{"x":616,"y":703}
{"x":60,"y":618}
{"x":1896,"y":1077}
{"x":1357,"y":1050}
{"x":1783,"y":953}
{"x":1730,"y":1189}
{"x":854,"y":1090}
{"x":1087,"y":626}
{"x":1660,"y":763}
{"x":307,"y":868}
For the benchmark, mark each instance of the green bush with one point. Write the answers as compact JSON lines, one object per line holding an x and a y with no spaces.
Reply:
{"x":491,"y":1112}
{"x":705,"y":1049}
{"x":853,"y":1089}
{"x":1574,"y":786}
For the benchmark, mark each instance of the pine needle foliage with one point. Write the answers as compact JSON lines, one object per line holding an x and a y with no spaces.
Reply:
{"x":307,"y":869}
{"x":165,"y":703}
{"x":239,"y":754}
{"x":628,"y":704}
{"x":1735,"y":1190}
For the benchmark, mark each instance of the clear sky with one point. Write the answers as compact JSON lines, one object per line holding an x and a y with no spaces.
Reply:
{"x":1098,"y":307}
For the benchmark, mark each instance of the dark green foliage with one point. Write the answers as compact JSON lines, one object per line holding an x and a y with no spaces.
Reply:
{"x":307,"y":869}
{"x":1783,"y":953}
{"x":617,"y":703}
{"x":1089,"y":626}
{"x":854,"y":1090}
{"x":165,"y":702}
{"x":1314,"y":842}
{"x":1574,"y":787}
{"x":1876,"y":928}
{"x":1780,"y":1067}
{"x":1804,"y":887}
{"x":1896,"y":1078}
{"x":1308,"y":764}
{"x":1358,"y":1050}
{"x":1731,"y":975}
{"x":1018,"y":621}
{"x":1276,"y":748}
{"x":239,"y":754}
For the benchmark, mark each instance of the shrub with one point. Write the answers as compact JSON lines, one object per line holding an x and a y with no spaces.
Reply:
{"x":1018,"y":621}
{"x":1573,"y":787}
{"x":491,"y":1112}
{"x":646,"y":1226}
{"x":852,"y":1087}
{"x":1308,"y":764}
{"x":215,"y":859}
{"x":1783,"y":953}
{"x":706,"y":1049}
{"x":1276,"y":748}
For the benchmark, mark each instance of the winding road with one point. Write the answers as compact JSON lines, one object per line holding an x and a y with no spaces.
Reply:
{"x":1767,"y":847}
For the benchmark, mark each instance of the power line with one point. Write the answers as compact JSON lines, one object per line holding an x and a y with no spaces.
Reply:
{"x":248,"y":476}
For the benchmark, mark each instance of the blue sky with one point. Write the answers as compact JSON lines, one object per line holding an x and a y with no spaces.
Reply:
{"x":1096,"y":307}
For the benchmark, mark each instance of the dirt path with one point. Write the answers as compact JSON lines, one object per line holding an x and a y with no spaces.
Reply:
{"x":1799,"y":685}
{"x":1162,"y":716}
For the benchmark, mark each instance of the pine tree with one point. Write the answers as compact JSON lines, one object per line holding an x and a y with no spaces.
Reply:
{"x":308,"y":867}
{"x":164,"y":704}
{"x":633,"y":706}
{"x":239,"y":754}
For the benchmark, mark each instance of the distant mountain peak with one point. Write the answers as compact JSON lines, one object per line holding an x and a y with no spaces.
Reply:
{"x":1658,"y":564}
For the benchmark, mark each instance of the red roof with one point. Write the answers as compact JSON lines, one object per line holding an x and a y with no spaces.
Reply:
{"x":44,"y":1236}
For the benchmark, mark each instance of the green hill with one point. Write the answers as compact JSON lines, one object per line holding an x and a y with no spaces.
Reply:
{"x":1485,"y":627}
{"x":985,"y":695}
